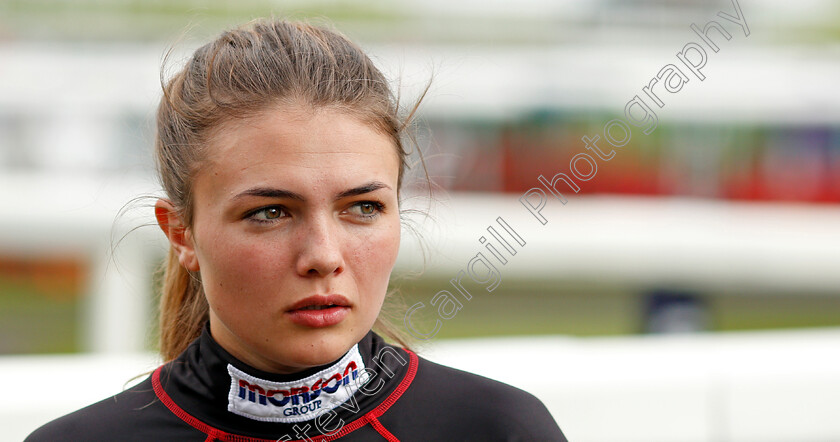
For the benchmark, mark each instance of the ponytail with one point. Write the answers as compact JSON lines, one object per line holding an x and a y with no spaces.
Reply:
{"x":183,"y":308}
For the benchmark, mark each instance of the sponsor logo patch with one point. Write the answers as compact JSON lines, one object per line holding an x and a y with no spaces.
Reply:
{"x":295,"y":401}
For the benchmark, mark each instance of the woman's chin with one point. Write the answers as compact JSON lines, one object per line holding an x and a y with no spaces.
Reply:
{"x":309,"y":354}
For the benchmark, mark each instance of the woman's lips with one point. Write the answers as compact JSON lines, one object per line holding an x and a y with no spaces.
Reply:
{"x":319,"y":310}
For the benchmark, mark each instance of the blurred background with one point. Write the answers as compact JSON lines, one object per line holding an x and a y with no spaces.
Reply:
{"x":689,"y":291}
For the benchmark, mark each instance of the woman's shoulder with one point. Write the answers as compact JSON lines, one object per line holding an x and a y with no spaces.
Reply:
{"x":128,"y":415}
{"x":432,"y":373}
{"x":479,"y":407}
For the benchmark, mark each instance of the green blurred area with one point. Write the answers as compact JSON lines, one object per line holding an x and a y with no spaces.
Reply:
{"x":586,"y":308}
{"x":155,"y":20}
{"x":380,"y":20}
{"x":35,"y":321}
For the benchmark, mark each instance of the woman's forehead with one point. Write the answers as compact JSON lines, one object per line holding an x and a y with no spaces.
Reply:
{"x":298,"y":130}
{"x":320,"y":148}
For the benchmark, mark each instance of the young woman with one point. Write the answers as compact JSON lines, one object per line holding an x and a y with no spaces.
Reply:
{"x":279,"y":148}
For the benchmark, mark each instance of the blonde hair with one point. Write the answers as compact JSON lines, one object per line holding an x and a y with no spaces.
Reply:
{"x":243,"y":71}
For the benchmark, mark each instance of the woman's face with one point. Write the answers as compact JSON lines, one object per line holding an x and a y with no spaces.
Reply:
{"x":296,"y":229}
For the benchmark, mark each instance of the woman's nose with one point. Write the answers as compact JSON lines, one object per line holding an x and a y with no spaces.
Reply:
{"x":320,"y":250}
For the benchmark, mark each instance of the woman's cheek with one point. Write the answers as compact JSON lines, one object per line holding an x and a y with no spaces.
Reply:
{"x":377,"y":253}
{"x":245,"y":266}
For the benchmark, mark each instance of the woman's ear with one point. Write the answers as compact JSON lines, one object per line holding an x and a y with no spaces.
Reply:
{"x":180,"y":236}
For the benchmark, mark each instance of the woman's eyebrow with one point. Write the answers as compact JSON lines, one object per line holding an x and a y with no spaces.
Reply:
{"x":270,"y":192}
{"x":364,"y":188}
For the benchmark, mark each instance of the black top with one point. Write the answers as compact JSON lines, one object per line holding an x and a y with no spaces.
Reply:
{"x":375,"y":392}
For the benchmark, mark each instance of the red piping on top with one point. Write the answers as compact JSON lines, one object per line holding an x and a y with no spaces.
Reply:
{"x":370,"y":417}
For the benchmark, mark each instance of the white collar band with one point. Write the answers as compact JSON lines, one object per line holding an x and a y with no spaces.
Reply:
{"x":295,"y":401}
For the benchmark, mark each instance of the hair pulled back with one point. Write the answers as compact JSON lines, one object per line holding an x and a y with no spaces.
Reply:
{"x":246,"y":70}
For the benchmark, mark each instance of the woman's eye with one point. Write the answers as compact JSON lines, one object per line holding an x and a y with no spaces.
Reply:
{"x":367,"y":209}
{"x":268,"y":213}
